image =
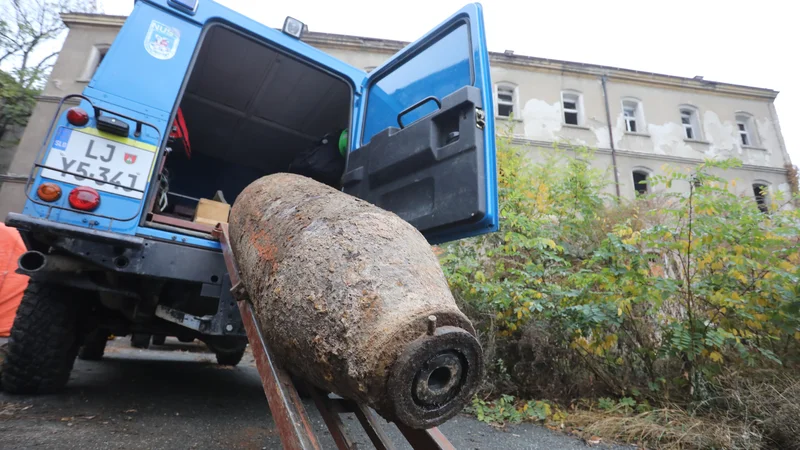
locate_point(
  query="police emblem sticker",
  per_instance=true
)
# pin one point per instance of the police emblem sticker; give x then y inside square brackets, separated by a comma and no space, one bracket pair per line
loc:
[161,40]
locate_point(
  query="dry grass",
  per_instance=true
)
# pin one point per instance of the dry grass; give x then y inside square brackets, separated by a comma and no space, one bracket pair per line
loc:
[752,410]
[666,429]
[768,399]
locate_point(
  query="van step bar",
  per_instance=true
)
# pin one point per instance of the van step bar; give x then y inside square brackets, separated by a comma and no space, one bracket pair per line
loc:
[36,225]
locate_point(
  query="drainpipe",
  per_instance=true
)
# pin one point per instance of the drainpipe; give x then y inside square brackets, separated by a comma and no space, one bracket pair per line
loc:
[611,137]
[791,175]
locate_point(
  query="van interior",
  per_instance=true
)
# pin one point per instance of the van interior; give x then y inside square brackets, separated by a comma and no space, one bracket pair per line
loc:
[249,111]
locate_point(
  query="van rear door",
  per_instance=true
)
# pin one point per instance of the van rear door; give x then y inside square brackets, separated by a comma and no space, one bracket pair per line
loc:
[423,144]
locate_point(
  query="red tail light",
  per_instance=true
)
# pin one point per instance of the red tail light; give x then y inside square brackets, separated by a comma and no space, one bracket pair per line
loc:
[77,116]
[84,198]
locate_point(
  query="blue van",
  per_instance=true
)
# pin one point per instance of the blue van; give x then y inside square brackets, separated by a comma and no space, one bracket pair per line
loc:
[192,103]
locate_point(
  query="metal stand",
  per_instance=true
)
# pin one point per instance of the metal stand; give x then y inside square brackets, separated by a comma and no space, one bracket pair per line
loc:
[287,410]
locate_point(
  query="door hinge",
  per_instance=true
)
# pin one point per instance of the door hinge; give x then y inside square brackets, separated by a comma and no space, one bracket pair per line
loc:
[480,118]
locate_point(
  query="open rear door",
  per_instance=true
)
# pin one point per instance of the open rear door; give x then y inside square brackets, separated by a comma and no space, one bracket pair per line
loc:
[424,144]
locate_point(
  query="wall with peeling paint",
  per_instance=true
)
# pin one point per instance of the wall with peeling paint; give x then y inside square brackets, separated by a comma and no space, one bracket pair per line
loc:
[718,135]
[540,118]
[628,161]
[660,143]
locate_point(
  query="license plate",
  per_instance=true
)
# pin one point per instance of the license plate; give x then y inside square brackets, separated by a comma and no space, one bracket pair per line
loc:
[116,167]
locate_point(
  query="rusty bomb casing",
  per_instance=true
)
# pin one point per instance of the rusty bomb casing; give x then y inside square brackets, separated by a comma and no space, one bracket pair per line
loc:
[352,299]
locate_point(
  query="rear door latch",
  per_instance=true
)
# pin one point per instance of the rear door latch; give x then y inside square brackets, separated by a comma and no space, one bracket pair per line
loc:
[480,118]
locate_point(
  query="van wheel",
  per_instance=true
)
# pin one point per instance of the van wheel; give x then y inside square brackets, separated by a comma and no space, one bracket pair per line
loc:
[94,346]
[43,342]
[229,357]
[140,340]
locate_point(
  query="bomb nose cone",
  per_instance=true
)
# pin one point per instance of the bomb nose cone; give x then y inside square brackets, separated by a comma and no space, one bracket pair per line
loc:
[435,377]
[439,380]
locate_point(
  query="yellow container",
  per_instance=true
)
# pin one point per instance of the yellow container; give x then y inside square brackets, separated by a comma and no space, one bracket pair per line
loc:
[211,212]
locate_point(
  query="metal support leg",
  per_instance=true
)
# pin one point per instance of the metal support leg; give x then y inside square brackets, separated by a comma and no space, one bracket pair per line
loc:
[287,410]
[430,439]
[373,429]
[332,419]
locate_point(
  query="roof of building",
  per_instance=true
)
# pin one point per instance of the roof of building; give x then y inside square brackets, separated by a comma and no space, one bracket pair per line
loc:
[507,58]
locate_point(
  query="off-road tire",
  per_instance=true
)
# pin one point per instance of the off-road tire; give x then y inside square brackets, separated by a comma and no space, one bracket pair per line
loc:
[3,355]
[159,339]
[94,346]
[230,357]
[43,342]
[140,340]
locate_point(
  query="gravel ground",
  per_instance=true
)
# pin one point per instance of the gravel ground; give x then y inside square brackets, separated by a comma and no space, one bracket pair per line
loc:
[177,397]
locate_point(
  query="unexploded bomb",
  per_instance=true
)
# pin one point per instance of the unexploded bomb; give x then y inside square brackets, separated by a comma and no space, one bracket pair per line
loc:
[352,299]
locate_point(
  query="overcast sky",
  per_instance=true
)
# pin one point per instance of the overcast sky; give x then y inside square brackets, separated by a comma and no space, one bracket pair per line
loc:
[742,42]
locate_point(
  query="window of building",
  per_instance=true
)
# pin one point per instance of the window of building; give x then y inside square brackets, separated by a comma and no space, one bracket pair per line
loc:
[630,118]
[96,56]
[744,135]
[761,192]
[746,129]
[640,181]
[691,127]
[571,103]
[506,99]
[634,118]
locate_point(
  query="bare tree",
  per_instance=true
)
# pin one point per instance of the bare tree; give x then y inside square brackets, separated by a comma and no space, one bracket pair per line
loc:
[26,28]
[28,25]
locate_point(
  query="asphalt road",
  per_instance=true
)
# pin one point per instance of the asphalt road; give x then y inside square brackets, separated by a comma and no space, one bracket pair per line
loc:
[177,397]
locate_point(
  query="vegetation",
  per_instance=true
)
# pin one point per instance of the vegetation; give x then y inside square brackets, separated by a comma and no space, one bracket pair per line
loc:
[16,103]
[632,304]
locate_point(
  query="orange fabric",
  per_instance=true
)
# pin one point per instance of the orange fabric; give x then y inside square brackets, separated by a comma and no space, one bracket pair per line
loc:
[12,285]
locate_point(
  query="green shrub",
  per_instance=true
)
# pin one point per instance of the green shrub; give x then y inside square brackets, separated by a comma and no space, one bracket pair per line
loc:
[577,293]
[506,409]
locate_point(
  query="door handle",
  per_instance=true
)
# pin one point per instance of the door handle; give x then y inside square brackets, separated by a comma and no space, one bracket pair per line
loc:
[415,106]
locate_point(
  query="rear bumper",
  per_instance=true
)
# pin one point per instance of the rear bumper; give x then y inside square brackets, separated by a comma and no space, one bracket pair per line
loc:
[124,254]
[137,256]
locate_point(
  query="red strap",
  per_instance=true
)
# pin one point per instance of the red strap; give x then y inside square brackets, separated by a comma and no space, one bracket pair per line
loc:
[181,132]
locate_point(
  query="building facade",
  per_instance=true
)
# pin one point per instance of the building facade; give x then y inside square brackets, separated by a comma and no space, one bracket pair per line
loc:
[637,123]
